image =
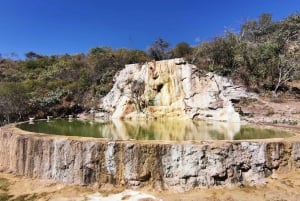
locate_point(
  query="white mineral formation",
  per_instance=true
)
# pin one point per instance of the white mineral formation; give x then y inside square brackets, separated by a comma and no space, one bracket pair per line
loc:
[171,88]
[128,195]
[181,166]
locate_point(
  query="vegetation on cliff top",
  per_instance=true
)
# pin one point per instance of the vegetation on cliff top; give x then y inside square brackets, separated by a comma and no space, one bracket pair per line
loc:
[264,56]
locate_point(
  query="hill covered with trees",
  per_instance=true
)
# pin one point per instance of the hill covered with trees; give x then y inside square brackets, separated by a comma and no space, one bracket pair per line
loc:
[264,56]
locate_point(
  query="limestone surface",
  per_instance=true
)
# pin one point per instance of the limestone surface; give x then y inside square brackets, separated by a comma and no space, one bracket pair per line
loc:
[132,164]
[171,88]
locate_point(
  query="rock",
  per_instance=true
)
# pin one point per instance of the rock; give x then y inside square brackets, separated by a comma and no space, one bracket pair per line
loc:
[130,164]
[274,175]
[216,105]
[172,88]
[128,195]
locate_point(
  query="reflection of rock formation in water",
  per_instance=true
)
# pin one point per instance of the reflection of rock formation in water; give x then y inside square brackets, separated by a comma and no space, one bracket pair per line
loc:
[170,129]
[171,88]
[165,166]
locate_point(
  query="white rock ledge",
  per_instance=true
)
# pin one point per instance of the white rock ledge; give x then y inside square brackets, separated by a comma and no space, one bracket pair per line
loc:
[132,164]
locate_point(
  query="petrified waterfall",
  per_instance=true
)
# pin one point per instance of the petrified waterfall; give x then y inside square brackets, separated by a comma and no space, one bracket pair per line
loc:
[171,88]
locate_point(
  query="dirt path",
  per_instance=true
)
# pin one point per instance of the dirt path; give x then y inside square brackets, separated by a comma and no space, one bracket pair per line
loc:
[284,188]
[275,111]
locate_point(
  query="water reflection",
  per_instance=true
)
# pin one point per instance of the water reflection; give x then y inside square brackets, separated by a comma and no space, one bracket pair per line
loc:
[160,129]
[172,129]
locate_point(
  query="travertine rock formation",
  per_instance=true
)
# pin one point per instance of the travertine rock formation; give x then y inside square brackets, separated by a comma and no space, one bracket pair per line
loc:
[171,88]
[170,166]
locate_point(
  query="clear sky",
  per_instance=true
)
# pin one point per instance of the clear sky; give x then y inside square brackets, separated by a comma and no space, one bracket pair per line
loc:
[74,26]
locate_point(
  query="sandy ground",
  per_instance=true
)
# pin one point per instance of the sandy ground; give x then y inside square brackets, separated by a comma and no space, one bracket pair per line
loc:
[286,187]
[274,111]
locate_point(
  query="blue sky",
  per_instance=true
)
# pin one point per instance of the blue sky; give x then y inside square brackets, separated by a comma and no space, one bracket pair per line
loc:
[74,26]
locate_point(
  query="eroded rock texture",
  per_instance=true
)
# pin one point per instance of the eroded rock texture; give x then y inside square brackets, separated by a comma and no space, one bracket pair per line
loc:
[171,88]
[177,166]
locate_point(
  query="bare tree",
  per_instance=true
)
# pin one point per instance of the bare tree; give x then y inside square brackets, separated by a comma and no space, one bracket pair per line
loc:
[288,67]
[289,58]
[159,49]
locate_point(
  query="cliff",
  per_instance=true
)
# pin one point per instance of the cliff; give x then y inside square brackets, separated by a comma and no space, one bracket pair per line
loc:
[132,164]
[171,88]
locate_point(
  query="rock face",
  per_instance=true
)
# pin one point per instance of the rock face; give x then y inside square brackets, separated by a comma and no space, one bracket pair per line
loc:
[175,166]
[171,88]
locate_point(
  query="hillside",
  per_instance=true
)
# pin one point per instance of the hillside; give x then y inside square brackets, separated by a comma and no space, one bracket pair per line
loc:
[264,56]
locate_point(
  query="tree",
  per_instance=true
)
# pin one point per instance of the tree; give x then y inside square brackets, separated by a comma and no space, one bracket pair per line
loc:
[248,30]
[220,53]
[261,61]
[288,67]
[265,22]
[13,101]
[287,38]
[255,30]
[32,55]
[10,71]
[182,49]
[159,50]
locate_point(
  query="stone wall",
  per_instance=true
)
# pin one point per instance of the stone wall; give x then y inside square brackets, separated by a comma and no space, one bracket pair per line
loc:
[169,166]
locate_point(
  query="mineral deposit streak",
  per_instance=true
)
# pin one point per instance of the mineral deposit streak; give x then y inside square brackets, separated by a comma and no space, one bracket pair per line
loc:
[160,165]
[171,88]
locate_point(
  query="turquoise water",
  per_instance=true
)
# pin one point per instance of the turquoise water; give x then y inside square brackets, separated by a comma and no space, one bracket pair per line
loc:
[166,129]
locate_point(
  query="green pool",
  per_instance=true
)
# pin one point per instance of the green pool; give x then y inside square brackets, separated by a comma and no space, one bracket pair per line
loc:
[160,129]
